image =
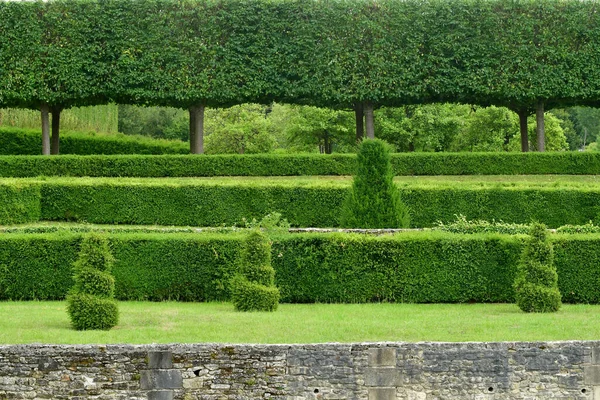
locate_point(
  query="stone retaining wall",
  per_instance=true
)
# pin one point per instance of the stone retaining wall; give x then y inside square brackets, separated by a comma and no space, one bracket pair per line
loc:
[370,371]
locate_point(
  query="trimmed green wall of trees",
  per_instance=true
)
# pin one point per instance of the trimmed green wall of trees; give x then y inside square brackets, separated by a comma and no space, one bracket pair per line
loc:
[187,53]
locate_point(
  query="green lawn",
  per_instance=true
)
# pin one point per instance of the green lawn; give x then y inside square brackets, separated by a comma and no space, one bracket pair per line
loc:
[585,181]
[142,322]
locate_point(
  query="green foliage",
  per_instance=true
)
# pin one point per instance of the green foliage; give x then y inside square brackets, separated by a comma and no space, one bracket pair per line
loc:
[253,288]
[306,128]
[180,53]
[554,133]
[251,296]
[488,129]
[374,201]
[97,118]
[91,303]
[20,203]
[89,312]
[419,267]
[570,163]
[242,129]
[17,141]
[309,203]
[462,225]
[536,283]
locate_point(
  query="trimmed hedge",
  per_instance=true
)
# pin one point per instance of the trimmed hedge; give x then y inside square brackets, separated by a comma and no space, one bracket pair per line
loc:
[414,267]
[335,53]
[568,163]
[20,203]
[303,204]
[17,141]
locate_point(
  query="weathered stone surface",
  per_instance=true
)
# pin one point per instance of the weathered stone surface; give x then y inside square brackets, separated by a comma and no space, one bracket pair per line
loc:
[161,379]
[382,394]
[592,375]
[420,371]
[382,357]
[160,359]
[161,395]
[383,377]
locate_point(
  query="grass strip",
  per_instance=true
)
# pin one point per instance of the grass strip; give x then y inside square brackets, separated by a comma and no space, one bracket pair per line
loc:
[168,322]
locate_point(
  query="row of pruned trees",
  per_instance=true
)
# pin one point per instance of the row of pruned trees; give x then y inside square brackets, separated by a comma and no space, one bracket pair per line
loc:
[353,54]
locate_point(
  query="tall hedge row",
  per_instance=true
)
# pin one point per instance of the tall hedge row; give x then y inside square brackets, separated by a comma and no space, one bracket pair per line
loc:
[568,163]
[415,267]
[307,204]
[335,53]
[27,142]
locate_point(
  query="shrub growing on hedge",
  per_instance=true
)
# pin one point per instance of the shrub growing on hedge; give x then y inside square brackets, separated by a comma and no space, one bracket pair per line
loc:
[536,284]
[253,288]
[91,303]
[374,201]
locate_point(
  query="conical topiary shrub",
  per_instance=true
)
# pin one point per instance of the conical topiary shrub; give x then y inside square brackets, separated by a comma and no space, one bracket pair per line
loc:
[536,284]
[374,201]
[253,288]
[91,303]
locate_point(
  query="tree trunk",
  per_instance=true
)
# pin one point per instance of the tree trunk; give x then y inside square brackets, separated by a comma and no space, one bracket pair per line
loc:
[55,144]
[369,123]
[197,129]
[192,129]
[524,133]
[541,132]
[45,129]
[359,114]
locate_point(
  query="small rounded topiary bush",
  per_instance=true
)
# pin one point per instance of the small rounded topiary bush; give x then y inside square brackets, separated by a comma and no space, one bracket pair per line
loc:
[91,303]
[374,201]
[536,284]
[253,288]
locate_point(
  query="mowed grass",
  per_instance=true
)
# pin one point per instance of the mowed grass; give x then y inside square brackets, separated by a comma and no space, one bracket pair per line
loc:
[169,322]
[567,181]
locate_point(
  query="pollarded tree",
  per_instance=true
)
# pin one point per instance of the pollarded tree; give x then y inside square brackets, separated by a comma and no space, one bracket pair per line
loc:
[536,284]
[91,303]
[253,288]
[374,201]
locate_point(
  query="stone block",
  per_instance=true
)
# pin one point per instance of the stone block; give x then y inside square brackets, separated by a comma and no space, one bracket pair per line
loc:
[596,392]
[161,379]
[382,357]
[161,395]
[592,374]
[382,394]
[595,355]
[383,377]
[160,359]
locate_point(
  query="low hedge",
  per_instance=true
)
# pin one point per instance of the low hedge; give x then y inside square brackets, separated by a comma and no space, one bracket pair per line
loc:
[305,204]
[423,267]
[18,141]
[568,163]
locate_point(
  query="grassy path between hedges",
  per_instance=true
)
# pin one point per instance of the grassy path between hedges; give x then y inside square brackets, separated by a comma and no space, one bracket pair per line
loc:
[168,322]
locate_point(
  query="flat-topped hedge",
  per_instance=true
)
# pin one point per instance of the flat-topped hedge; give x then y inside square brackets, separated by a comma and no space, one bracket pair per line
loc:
[19,141]
[567,163]
[304,203]
[423,267]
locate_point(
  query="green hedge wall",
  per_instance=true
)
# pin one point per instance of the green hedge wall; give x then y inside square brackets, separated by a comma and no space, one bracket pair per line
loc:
[17,141]
[20,203]
[412,267]
[305,204]
[567,163]
[334,53]
[205,204]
